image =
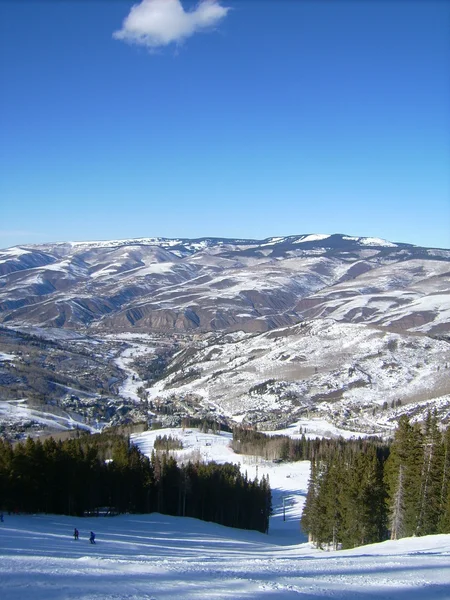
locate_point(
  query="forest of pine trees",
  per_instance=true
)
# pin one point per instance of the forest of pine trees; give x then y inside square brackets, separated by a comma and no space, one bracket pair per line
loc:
[284,448]
[367,493]
[360,491]
[77,476]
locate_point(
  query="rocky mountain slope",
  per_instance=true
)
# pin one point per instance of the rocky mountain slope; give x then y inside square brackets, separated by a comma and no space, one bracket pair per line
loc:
[356,377]
[209,284]
[344,331]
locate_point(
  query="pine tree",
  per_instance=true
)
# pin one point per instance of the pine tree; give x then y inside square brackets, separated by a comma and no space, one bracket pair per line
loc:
[309,517]
[363,500]
[6,457]
[323,519]
[403,472]
[444,489]
[431,478]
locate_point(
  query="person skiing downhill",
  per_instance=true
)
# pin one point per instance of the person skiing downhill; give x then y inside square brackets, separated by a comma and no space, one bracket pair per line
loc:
[92,537]
[75,534]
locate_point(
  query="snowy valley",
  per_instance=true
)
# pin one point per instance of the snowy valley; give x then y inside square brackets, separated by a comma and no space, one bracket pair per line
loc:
[324,332]
[314,335]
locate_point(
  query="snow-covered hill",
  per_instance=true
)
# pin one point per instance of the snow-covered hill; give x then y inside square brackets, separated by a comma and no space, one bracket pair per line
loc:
[351,330]
[357,377]
[156,557]
[158,284]
[323,376]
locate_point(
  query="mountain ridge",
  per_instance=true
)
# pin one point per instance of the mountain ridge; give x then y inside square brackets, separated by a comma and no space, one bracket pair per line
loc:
[348,330]
[208,284]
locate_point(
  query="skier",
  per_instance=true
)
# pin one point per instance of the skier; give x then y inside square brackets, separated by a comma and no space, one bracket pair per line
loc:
[75,534]
[92,537]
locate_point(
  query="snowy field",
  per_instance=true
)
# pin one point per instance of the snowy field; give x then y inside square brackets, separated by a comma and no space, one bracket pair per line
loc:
[156,557]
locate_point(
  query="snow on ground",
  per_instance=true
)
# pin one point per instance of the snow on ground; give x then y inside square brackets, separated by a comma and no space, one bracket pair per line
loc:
[156,557]
[131,241]
[313,238]
[315,427]
[374,241]
[289,481]
[138,345]
[17,411]
[273,241]
[8,253]
[54,333]
[345,372]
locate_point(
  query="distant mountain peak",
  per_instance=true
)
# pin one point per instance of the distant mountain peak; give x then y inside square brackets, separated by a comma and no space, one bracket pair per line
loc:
[208,284]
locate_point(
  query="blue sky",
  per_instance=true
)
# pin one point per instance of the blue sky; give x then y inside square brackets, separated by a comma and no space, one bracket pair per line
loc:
[270,118]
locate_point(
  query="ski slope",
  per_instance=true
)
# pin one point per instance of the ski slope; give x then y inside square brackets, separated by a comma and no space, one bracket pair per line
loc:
[156,557]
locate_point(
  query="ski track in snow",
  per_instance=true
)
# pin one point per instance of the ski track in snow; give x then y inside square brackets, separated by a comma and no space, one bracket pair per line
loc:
[157,557]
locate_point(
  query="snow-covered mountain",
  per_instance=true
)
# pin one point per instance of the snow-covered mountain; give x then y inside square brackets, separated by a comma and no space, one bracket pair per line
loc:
[355,376]
[347,330]
[211,284]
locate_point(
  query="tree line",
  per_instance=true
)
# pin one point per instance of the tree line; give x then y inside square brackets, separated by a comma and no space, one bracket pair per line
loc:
[367,494]
[77,476]
[284,448]
[167,443]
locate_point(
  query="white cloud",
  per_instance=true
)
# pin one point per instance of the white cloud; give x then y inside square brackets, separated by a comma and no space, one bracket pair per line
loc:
[156,23]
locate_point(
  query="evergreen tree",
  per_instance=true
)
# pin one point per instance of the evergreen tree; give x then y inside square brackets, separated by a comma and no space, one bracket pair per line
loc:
[363,500]
[444,491]
[323,516]
[403,479]
[345,501]
[431,478]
